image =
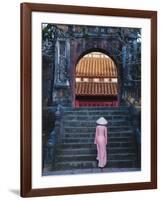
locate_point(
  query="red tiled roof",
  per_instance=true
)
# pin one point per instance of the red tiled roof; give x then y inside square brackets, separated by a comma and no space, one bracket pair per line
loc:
[100,67]
[96,89]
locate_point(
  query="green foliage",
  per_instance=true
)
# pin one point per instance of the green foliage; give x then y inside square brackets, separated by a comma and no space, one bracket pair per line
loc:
[47,31]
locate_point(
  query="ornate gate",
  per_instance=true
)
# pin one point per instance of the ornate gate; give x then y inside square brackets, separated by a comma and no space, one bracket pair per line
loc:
[64,45]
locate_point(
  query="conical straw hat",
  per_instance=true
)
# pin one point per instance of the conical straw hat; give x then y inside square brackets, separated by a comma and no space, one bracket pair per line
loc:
[102,121]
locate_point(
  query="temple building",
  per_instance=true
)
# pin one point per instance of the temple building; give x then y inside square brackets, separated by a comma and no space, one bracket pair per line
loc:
[96,81]
[90,72]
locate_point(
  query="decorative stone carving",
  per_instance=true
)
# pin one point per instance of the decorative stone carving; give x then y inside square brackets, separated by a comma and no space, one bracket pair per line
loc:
[59,41]
[61,64]
[62,69]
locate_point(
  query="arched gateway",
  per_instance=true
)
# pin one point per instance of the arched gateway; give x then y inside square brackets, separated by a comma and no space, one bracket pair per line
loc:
[96,81]
[90,66]
[71,44]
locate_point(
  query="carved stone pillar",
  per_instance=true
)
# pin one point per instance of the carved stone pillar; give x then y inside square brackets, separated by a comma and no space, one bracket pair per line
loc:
[61,63]
[61,88]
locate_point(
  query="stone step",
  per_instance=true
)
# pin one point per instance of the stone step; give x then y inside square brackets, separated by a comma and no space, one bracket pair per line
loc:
[92,129]
[93,164]
[95,117]
[97,112]
[89,171]
[92,157]
[90,140]
[92,145]
[93,123]
[112,150]
[92,134]
[84,120]
[95,108]
[78,151]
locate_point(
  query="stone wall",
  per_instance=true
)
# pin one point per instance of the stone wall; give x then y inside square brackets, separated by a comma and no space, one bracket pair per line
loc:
[66,44]
[47,80]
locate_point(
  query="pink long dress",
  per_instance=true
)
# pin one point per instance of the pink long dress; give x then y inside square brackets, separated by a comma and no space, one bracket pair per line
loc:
[101,142]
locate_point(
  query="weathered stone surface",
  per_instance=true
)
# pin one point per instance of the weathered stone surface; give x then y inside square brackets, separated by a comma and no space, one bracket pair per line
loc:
[77,149]
[64,45]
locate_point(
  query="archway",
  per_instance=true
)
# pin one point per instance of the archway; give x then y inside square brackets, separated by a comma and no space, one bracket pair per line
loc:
[96,81]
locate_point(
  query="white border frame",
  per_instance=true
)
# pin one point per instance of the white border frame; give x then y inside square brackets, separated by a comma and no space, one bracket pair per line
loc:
[39,181]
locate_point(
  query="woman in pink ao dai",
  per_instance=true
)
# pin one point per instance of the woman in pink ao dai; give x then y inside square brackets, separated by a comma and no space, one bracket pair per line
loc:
[101,141]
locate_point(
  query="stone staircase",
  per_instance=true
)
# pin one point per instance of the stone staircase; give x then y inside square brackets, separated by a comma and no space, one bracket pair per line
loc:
[78,151]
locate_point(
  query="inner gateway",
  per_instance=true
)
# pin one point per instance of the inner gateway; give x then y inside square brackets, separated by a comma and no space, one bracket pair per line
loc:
[96,81]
